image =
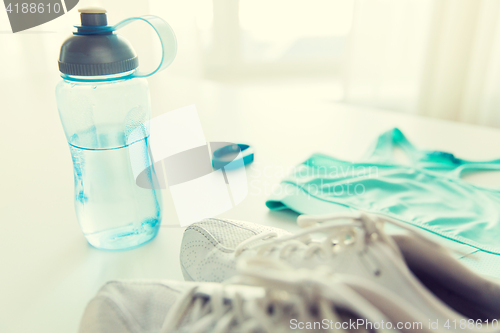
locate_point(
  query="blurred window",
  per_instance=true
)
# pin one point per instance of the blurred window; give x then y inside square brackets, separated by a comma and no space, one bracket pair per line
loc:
[274,37]
[298,30]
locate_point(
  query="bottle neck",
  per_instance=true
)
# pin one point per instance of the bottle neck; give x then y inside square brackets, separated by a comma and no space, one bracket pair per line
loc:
[99,78]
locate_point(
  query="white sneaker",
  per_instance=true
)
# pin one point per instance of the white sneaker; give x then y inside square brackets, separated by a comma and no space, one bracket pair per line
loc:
[355,245]
[254,302]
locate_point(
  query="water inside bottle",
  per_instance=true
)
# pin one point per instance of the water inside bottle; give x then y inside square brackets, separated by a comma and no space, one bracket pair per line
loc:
[113,211]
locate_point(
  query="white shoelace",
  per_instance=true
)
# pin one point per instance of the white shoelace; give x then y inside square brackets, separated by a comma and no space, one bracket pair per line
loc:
[218,315]
[357,231]
[297,296]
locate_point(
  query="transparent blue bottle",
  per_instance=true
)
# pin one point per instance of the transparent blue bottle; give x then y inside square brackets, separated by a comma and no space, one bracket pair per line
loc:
[104,107]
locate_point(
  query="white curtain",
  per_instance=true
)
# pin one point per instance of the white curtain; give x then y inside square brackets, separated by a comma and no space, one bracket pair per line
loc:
[438,58]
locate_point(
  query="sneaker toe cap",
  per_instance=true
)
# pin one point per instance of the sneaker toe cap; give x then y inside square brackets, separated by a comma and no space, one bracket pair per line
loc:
[207,249]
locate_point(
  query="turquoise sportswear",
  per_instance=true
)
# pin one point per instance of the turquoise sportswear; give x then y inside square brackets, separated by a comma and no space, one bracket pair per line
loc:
[428,192]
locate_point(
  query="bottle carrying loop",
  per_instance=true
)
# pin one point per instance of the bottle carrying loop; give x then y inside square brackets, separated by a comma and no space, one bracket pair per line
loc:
[166,36]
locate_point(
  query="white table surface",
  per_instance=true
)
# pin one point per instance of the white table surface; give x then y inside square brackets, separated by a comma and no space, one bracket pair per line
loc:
[49,273]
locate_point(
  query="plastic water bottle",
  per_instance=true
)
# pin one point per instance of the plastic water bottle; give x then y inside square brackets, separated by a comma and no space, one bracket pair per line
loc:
[103,103]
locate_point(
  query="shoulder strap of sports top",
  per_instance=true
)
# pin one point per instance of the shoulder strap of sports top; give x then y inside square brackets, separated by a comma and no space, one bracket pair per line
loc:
[473,166]
[382,149]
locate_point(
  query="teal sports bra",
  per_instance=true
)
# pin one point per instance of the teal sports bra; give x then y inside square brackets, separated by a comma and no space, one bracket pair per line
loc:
[428,192]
